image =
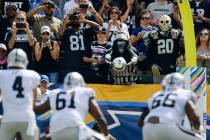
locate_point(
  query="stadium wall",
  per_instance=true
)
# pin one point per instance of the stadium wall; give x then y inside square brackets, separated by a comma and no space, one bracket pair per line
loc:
[122,106]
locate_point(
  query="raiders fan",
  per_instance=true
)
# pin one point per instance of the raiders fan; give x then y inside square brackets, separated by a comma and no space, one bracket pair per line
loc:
[21,37]
[76,44]
[165,46]
[99,49]
[21,5]
[122,60]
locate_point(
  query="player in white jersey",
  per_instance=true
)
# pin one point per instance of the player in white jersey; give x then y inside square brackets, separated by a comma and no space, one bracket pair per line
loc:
[18,87]
[70,107]
[167,110]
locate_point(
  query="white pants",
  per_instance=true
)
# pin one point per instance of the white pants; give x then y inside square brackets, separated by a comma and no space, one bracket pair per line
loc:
[9,129]
[167,132]
[70,133]
[76,133]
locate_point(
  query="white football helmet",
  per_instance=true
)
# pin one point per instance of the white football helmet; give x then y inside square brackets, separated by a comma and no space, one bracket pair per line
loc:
[165,23]
[17,58]
[174,80]
[73,79]
[119,64]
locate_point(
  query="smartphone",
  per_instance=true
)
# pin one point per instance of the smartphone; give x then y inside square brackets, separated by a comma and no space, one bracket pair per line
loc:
[21,25]
[83,6]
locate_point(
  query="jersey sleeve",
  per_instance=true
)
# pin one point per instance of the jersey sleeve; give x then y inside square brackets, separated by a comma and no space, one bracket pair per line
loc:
[36,80]
[91,93]
[186,96]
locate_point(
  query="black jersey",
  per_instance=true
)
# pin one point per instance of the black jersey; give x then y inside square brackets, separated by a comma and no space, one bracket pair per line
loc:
[22,5]
[131,22]
[21,41]
[99,50]
[47,60]
[203,9]
[76,45]
[164,49]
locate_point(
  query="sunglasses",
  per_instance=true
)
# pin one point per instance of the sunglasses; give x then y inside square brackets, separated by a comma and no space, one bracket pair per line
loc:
[45,33]
[204,34]
[114,12]
[20,19]
[145,18]
[2,52]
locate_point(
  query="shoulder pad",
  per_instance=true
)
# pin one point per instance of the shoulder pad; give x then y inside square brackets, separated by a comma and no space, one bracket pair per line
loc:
[175,33]
[154,34]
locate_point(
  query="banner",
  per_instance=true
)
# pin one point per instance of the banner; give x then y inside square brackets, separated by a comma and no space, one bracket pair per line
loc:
[122,107]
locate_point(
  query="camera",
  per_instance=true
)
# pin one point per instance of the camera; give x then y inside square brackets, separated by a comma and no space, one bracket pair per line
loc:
[83,6]
[73,18]
[21,25]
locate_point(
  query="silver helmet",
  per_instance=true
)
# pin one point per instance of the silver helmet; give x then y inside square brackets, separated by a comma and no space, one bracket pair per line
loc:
[174,80]
[17,58]
[73,79]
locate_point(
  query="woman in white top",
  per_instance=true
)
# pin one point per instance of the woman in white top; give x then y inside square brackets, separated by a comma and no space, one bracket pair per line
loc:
[114,25]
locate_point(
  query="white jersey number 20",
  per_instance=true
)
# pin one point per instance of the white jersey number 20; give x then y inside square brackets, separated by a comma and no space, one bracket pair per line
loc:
[165,46]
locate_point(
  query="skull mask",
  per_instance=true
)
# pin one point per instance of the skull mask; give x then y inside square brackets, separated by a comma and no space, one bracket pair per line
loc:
[121,44]
[121,41]
[164,23]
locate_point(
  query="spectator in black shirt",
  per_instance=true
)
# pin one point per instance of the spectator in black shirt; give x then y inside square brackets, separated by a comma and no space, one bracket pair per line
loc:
[84,11]
[201,14]
[21,37]
[7,20]
[129,16]
[46,55]
[99,49]
[21,5]
[76,44]
[176,21]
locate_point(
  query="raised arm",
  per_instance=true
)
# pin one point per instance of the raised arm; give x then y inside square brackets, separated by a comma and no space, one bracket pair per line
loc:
[96,113]
[192,116]
[42,108]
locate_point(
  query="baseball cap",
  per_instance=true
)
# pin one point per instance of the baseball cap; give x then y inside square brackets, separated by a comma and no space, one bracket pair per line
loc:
[44,78]
[11,6]
[3,46]
[45,29]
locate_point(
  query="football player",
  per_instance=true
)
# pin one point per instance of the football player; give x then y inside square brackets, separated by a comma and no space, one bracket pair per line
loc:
[167,110]
[18,87]
[70,107]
